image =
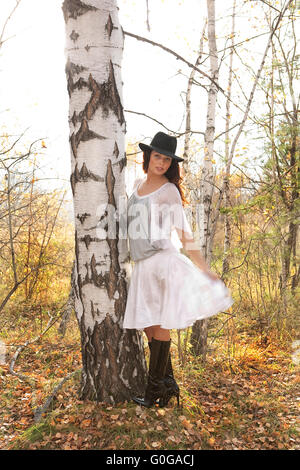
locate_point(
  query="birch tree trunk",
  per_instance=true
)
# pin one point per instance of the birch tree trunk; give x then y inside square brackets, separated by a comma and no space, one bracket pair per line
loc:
[187,136]
[227,218]
[190,180]
[199,330]
[113,363]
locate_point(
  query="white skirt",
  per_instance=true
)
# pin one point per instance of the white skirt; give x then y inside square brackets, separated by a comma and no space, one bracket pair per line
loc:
[169,290]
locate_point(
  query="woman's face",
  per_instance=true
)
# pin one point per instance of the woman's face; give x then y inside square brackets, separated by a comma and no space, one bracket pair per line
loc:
[159,163]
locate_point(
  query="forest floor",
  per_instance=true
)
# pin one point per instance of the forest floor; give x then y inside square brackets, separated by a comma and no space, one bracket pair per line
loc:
[244,399]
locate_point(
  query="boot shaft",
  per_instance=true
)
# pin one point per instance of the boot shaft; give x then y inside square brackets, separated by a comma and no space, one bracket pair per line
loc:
[163,357]
[169,368]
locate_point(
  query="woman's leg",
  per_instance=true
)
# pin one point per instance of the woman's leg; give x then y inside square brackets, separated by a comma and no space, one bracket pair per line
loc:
[157,332]
[149,332]
[161,333]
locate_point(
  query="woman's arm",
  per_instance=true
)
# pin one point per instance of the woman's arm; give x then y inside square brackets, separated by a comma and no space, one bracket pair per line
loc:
[190,247]
[182,226]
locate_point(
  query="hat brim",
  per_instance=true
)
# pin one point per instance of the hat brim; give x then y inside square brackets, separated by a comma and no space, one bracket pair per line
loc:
[162,151]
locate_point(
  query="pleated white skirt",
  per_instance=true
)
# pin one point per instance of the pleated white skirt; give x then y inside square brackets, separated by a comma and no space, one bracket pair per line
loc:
[169,290]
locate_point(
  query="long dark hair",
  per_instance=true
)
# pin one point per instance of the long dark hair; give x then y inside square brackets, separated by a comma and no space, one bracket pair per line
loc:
[173,174]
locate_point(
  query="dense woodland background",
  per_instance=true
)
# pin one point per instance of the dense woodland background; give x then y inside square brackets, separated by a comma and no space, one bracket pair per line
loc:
[242,394]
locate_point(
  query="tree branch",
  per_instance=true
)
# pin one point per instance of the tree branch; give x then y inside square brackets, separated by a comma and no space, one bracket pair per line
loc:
[179,57]
[7,20]
[41,409]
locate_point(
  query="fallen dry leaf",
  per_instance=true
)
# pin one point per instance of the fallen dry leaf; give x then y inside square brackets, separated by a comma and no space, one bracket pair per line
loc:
[155,444]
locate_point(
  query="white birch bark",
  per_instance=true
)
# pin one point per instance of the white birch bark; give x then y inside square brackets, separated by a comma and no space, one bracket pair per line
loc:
[227,219]
[199,330]
[113,363]
[207,179]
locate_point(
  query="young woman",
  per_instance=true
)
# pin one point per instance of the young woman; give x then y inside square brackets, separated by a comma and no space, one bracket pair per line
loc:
[168,290]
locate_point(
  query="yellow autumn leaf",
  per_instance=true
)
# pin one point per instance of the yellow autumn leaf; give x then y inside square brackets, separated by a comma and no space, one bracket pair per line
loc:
[187,424]
[85,423]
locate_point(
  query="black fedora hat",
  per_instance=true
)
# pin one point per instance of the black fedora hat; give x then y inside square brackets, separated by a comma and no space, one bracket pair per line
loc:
[163,143]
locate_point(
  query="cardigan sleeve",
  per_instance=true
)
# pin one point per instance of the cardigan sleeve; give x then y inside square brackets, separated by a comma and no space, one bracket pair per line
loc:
[167,212]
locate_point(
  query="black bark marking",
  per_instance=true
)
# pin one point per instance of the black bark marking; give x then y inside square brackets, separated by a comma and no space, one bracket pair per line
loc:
[78,282]
[123,34]
[120,303]
[207,199]
[110,96]
[87,240]
[112,242]
[103,216]
[109,26]
[116,150]
[83,175]
[72,69]
[83,134]
[98,280]
[74,144]
[123,163]
[110,279]
[74,119]
[110,184]
[82,217]
[74,36]
[75,8]
[105,95]
[94,102]
[94,313]
[79,84]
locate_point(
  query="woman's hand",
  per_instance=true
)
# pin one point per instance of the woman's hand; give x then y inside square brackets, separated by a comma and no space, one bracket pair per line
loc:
[204,269]
[191,248]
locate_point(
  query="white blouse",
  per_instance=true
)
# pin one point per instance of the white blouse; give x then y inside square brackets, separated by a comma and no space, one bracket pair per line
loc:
[152,218]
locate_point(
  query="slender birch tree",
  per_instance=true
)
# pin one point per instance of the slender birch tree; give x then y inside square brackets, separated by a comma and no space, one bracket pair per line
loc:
[113,361]
[199,330]
[227,221]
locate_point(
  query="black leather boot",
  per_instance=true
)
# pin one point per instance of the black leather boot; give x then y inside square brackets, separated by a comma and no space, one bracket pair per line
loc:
[156,388]
[170,382]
